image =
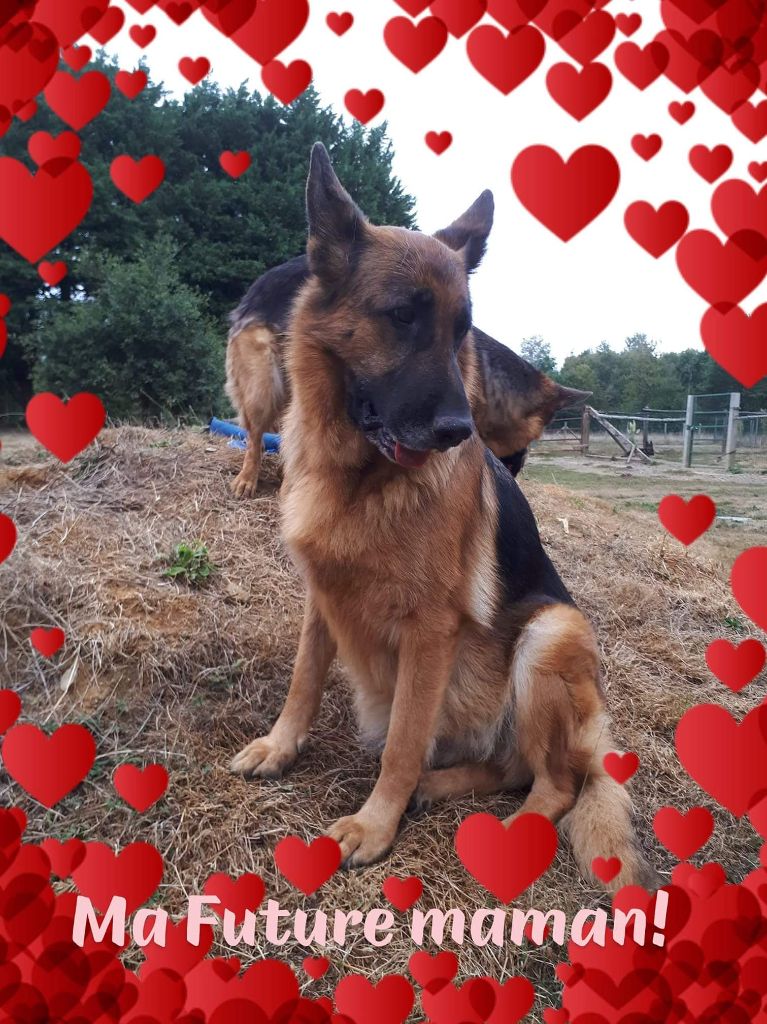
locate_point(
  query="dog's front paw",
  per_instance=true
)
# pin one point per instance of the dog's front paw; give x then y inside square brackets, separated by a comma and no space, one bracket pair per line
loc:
[244,485]
[362,839]
[264,757]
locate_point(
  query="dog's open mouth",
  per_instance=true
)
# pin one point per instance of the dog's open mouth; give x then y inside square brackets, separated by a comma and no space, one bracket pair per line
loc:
[409,458]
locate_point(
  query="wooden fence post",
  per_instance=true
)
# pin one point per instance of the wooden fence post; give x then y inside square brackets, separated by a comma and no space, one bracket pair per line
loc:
[585,428]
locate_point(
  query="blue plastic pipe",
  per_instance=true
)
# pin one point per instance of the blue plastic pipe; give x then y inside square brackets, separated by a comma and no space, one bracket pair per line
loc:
[227,429]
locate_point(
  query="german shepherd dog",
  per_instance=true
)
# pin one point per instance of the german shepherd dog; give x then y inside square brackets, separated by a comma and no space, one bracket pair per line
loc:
[514,400]
[472,668]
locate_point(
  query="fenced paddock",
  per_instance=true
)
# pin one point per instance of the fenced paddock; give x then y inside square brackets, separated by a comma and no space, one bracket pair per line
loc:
[162,671]
[705,434]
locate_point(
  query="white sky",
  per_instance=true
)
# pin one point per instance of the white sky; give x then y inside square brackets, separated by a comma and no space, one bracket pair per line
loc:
[601,284]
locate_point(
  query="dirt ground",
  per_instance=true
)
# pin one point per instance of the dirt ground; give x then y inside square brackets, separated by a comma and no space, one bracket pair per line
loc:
[166,672]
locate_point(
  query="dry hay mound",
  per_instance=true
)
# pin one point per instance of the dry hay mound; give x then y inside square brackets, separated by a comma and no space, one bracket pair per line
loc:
[186,676]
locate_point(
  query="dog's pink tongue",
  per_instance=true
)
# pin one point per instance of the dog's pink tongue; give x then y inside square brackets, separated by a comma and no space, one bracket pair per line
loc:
[409,456]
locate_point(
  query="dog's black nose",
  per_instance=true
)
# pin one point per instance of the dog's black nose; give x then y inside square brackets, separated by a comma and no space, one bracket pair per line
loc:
[451,430]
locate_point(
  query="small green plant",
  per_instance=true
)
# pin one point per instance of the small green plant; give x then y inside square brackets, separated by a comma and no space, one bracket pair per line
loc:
[190,562]
[735,623]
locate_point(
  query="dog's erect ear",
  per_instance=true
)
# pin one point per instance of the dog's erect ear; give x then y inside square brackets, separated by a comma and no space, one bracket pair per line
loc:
[469,233]
[570,396]
[335,221]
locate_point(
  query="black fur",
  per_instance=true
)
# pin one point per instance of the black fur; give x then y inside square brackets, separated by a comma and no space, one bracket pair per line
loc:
[526,570]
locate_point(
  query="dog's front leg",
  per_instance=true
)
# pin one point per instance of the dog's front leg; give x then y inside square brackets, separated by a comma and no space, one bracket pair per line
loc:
[269,756]
[425,663]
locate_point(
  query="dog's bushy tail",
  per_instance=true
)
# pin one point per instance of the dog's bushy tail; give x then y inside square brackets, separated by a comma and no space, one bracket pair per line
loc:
[599,825]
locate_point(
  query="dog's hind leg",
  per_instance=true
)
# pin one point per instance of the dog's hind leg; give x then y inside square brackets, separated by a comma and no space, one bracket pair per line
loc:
[461,779]
[254,384]
[563,735]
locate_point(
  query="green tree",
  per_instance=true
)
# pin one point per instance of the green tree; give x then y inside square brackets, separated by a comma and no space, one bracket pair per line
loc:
[226,232]
[538,352]
[142,341]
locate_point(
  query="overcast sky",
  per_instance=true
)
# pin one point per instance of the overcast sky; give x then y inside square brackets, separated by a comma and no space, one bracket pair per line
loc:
[601,284]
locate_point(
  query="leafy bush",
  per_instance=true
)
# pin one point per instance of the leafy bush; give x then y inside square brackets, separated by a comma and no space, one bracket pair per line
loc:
[190,563]
[142,341]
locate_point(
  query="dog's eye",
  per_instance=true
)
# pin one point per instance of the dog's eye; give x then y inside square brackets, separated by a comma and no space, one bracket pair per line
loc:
[404,314]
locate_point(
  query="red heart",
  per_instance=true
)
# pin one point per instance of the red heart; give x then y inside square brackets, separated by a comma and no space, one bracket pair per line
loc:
[47,641]
[264,29]
[646,146]
[513,1000]
[583,38]
[48,767]
[235,894]
[737,206]
[751,120]
[579,90]
[506,860]
[5,305]
[470,1003]
[134,874]
[37,212]
[77,101]
[710,163]
[427,968]
[736,341]
[3,337]
[505,60]
[140,787]
[606,868]
[458,15]
[69,21]
[387,1002]
[628,23]
[52,273]
[723,274]
[286,82]
[235,164]
[316,966]
[681,112]
[364,105]
[758,171]
[565,196]
[690,59]
[687,520]
[137,179]
[757,814]
[641,65]
[402,893]
[729,87]
[7,537]
[552,1016]
[704,881]
[340,23]
[142,35]
[43,147]
[131,83]
[10,709]
[739,771]
[194,70]
[620,766]
[749,584]
[307,866]
[656,230]
[683,832]
[438,142]
[65,429]
[22,72]
[64,856]
[736,665]
[415,45]
[76,57]
[108,25]
[513,13]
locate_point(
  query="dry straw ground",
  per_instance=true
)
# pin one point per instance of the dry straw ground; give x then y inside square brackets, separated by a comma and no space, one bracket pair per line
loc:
[187,676]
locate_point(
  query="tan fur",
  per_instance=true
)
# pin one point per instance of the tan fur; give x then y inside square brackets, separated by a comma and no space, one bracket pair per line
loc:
[459,690]
[256,386]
